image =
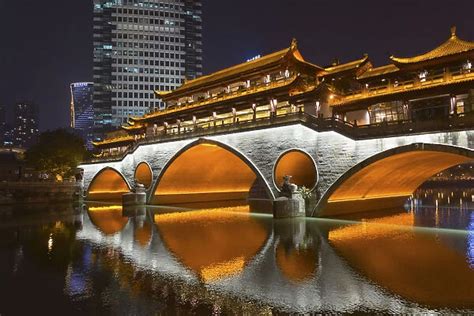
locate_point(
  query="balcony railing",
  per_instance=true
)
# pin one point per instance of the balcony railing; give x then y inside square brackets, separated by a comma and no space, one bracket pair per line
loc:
[395,87]
[224,97]
[288,115]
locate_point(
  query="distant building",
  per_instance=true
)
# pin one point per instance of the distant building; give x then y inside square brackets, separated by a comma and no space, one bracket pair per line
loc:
[139,47]
[4,128]
[25,124]
[82,110]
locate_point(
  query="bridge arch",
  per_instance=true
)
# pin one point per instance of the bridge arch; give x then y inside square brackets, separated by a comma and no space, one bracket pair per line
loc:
[144,174]
[389,177]
[108,184]
[300,165]
[207,170]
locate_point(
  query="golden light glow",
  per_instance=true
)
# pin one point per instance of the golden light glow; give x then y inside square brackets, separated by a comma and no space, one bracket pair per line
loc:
[417,266]
[216,271]
[297,265]
[205,173]
[395,177]
[143,174]
[299,165]
[143,234]
[213,252]
[226,97]
[107,185]
[410,85]
[108,219]
[115,140]
[454,45]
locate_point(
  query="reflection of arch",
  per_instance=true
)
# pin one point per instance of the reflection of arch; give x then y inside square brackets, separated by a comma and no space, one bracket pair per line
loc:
[213,252]
[108,184]
[143,234]
[207,170]
[389,177]
[297,265]
[300,165]
[392,254]
[144,174]
[108,219]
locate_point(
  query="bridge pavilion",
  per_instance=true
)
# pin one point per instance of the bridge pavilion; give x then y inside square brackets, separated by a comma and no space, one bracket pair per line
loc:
[423,88]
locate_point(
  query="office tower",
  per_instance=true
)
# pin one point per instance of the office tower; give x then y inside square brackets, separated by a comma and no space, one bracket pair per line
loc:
[82,110]
[25,124]
[3,124]
[141,46]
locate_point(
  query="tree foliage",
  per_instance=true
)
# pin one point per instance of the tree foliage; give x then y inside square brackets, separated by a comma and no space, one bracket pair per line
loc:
[57,152]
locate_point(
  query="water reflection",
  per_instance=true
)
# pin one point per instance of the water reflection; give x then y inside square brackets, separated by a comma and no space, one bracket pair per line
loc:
[213,243]
[297,250]
[228,260]
[108,219]
[418,266]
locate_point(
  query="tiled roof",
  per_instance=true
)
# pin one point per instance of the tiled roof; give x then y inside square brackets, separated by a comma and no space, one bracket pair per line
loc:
[252,65]
[378,71]
[452,46]
[347,66]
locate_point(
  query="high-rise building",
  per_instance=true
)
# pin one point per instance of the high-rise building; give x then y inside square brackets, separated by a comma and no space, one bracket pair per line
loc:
[3,124]
[25,129]
[141,46]
[82,110]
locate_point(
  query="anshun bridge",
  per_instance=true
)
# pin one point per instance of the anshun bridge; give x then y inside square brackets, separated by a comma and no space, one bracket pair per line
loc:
[352,133]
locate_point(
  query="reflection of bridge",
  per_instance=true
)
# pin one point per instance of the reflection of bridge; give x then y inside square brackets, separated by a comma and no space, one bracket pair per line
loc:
[290,264]
[249,164]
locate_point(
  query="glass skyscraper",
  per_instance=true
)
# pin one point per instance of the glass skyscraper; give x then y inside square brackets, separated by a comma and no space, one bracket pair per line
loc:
[82,110]
[141,46]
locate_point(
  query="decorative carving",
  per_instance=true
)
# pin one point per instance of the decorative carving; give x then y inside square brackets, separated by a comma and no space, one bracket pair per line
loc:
[288,188]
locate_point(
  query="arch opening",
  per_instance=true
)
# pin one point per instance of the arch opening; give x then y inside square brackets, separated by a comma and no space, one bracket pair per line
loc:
[144,174]
[107,185]
[297,164]
[208,172]
[386,180]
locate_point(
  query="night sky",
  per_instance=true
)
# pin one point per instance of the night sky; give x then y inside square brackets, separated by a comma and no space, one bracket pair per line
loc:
[45,45]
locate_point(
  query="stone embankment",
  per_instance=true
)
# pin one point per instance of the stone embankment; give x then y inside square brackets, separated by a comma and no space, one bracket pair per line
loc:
[39,192]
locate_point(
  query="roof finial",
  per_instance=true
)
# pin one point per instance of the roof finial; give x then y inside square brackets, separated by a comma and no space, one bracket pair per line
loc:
[294,43]
[453,31]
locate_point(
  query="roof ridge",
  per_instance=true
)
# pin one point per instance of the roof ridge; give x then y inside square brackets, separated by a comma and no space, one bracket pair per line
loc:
[453,45]
[204,78]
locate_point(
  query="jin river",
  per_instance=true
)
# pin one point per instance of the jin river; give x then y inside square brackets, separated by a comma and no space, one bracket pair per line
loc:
[99,259]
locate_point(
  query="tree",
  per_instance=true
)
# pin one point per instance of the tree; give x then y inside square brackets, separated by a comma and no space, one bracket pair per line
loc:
[57,153]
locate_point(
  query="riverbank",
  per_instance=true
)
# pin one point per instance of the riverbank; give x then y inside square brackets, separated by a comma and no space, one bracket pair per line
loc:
[12,193]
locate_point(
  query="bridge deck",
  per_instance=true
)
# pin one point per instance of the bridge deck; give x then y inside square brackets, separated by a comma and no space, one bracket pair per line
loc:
[452,123]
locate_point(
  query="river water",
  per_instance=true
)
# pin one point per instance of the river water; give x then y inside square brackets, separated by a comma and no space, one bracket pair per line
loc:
[101,259]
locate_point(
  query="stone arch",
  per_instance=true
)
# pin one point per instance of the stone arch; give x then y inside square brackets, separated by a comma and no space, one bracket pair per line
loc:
[144,174]
[199,172]
[300,165]
[389,177]
[108,184]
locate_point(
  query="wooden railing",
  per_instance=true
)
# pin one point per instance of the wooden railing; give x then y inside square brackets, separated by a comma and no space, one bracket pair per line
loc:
[223,97]
[394,87]
[288,116]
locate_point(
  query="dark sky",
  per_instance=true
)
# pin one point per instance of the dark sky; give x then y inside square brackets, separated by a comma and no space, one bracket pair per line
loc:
[46,44]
